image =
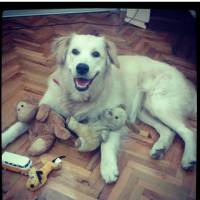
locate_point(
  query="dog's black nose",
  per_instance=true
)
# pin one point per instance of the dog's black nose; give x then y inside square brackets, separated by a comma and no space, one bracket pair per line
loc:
[82,68]
[32,185]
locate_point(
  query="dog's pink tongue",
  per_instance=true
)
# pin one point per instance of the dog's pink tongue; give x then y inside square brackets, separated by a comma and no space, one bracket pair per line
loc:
[82,83]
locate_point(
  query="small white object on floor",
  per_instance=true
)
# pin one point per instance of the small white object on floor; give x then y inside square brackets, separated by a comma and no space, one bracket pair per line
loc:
[138,17]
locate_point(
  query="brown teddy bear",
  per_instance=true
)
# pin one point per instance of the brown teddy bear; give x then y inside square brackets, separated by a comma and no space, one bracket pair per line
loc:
[92,134]
[45,126]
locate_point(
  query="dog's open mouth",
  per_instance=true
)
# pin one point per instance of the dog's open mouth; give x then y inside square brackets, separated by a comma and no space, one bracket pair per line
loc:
[83,84]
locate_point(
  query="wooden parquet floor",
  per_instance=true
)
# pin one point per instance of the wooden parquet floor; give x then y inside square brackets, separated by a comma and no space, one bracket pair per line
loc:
[27,62]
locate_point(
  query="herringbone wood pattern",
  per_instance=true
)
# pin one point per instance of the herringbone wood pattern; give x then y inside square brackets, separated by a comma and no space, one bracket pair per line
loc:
[26,64]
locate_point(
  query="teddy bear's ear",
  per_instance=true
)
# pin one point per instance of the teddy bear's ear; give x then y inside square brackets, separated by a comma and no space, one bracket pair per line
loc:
[33,101]
[106,113]
[123,106]
[26,102]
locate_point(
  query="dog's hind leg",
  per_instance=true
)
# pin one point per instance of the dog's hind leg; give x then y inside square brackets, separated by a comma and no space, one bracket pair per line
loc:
[13,132]
[166,135]
[135,106]
[168,115]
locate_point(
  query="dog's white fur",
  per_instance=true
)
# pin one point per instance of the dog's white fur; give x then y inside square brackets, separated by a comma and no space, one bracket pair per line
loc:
[153,91]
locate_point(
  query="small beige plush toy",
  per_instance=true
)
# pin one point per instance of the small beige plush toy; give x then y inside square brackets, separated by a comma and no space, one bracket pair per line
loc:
[45,126]
[92,134]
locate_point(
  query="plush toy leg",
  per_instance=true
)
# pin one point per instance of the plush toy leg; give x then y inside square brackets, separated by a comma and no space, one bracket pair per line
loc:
[59,126]
[62,133]
[83,145]
[41,145]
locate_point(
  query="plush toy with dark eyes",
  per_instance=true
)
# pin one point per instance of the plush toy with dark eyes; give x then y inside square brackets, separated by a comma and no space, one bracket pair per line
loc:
[45,126]
[91,135]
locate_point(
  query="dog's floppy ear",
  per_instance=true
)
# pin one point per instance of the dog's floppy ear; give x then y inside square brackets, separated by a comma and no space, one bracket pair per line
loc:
[112,53]
[39,175]
[123,106]
[59,48]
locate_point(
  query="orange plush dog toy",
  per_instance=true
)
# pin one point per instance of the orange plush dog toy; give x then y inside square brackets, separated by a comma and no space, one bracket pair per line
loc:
[45,126]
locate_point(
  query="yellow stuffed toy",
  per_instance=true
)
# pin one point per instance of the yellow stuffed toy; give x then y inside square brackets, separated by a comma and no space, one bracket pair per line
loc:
[37,178]
[92,134]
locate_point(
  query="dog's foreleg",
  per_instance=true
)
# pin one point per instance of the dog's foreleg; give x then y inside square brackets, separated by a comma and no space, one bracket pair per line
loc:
[53,98]
[13,132]
[109,149]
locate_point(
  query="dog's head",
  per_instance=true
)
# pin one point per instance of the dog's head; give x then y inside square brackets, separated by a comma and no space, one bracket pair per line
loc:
[86,57]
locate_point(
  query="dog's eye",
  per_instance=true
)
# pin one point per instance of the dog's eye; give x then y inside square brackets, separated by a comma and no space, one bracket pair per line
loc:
[95,54]
[75,51]
[116,117]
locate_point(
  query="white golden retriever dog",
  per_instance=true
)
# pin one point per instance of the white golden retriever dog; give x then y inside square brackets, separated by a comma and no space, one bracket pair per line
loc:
[90,77]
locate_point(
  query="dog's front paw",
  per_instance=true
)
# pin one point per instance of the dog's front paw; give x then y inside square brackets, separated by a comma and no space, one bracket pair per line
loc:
[109,172]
